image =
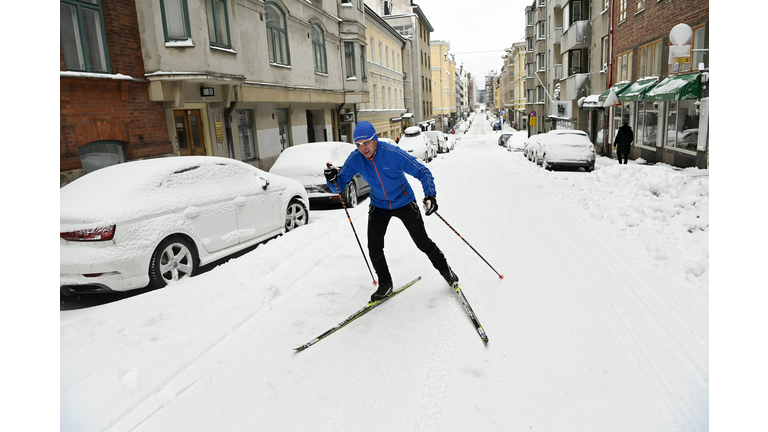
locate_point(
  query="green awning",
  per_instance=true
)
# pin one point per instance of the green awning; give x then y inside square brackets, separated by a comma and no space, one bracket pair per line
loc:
[676,87]
[617,88]
[638,90]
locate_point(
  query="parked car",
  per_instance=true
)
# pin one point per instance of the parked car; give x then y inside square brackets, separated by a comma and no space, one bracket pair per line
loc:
[567,148]
[415,142]
[532,144]
[496,126]
[305,163]
[503,138]
[156,221]
[516,142]
[438,138]
[388,140]
[451,140]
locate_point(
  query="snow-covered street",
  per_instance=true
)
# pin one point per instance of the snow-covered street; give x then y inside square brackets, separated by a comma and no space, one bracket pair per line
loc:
[600,323]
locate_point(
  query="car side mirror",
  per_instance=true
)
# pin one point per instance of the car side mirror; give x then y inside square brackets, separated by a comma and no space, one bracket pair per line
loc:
[264,183]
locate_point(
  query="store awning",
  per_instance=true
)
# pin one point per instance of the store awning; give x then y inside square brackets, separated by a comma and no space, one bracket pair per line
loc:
[638,89]
[676,87]
[591,102]
[617,88]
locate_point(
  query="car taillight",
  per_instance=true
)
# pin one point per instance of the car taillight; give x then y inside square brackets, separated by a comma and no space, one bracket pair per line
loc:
[92,234]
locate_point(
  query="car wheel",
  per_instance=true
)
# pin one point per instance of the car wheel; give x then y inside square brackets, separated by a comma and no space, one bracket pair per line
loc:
[351,196]
[174,259]
[545,163]
[295,215]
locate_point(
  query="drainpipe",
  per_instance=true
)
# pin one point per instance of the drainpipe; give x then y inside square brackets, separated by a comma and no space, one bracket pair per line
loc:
[608,140]
[228,125]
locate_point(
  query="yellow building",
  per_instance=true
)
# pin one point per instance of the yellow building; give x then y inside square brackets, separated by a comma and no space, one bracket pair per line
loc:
[443,84]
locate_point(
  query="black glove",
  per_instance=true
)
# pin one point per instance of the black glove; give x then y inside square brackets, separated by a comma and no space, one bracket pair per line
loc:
[430,205]
[331,173]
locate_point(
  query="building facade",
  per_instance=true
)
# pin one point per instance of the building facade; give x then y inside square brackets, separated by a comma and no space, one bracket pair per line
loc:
[106,115]
[444,108]
[386,104]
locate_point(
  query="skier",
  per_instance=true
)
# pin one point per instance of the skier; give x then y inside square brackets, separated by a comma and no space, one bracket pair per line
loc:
[384,166]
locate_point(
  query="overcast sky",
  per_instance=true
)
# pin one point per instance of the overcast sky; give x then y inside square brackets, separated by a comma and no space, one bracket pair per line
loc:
[475,27]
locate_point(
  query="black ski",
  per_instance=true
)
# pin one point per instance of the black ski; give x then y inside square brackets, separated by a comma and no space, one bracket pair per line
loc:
[357,315]
[471,313]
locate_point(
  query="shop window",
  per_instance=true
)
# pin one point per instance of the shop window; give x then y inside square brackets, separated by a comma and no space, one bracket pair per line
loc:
[682,126]
[647,125]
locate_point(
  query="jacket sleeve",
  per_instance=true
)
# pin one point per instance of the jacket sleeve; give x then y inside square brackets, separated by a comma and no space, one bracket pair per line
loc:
[416,169]
[347,171]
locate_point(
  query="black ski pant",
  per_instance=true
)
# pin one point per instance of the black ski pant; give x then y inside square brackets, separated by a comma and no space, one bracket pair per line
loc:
[410,216]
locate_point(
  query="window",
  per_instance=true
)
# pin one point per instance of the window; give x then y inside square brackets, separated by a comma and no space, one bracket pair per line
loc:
[604,54]
[696,57]
[540,62]
[529,44]
[349,59]
[318,49]
[82,36]
[574,62]
[647,124]
[375,96]
[175,19]
[381,56]
[218,23]
[529,70]
[386,56]
[624,67]
[682,126]
[541,30]
[373,53]
[283,128]
[539,94]
[640,5]
[622,10]
[362,63]
[277,35]
[245,133]
[576,11]
[529,18]
[649,63]
[529,96]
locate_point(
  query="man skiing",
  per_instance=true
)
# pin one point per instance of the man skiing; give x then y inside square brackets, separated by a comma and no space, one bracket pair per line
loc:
[384,166]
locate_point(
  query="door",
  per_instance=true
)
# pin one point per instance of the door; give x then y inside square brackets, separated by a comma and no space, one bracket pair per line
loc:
[258,211]
[189,132]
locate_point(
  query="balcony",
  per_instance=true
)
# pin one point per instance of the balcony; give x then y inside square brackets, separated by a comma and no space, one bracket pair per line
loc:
[558,35]
[575,86]
[577,36]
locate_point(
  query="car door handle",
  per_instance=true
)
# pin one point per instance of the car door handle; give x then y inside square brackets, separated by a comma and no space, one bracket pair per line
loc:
[192,212]
[240,201]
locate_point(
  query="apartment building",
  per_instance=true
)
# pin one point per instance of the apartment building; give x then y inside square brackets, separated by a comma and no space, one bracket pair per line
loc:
[537,97]
[660,77]
[386,78]
[409,21]
[443,85]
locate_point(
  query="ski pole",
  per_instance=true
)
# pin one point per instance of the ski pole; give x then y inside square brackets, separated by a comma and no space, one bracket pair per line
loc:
[328,164]
[470,246]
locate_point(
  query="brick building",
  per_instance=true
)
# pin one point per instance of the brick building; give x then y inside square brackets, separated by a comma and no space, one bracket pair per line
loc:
[105,112]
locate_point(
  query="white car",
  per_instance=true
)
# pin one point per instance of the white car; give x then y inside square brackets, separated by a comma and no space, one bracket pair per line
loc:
[567,148]
[306,162]
[156,221]
[516,142]
[532,147]
[438,138]
[417,144]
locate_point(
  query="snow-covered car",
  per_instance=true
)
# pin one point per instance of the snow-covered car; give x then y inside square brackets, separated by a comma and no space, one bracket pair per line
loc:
[438,138]
[503,139]
[305,163]
[516,142]
[567,148]
[532,144]
[417,144]
[156,221]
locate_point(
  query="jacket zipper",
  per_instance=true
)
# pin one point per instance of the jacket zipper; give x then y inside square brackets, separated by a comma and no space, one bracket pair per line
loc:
[382,183]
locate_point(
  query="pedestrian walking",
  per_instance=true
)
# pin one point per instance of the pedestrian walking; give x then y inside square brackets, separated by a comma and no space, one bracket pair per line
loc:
[623,140]
[384,166]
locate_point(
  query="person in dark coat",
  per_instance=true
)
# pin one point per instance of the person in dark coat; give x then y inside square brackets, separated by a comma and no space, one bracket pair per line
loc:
[623,140]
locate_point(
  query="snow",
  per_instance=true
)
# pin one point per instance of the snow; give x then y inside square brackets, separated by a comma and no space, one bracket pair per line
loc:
[600,323]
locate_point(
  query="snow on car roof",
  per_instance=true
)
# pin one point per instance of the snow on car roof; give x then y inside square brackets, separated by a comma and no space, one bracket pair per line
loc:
[306,162]
[147,187]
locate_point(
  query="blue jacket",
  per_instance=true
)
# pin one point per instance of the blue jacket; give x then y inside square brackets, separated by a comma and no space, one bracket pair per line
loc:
[385,173]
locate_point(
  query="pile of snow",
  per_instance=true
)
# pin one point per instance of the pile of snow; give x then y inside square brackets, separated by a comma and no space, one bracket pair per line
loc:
[666,208]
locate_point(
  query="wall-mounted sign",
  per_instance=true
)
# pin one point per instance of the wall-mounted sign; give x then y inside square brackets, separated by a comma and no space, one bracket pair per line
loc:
[206,91]
[347,118]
